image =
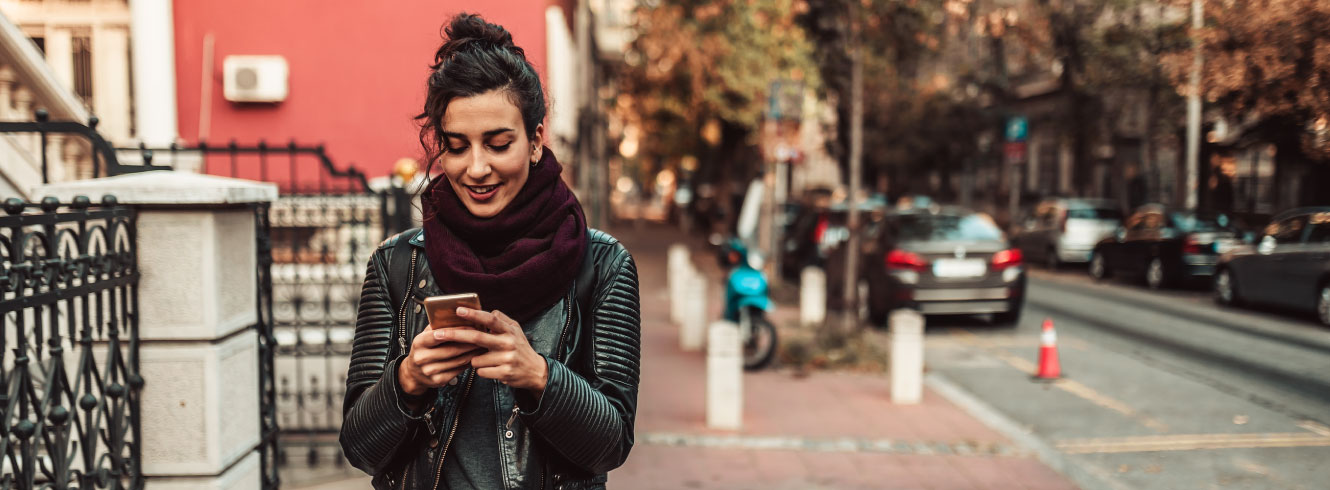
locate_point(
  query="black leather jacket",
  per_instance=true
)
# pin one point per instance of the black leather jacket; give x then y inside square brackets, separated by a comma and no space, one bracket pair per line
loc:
[582,426]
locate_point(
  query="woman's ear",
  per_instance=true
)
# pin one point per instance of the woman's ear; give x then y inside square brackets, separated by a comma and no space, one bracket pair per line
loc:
[537,143]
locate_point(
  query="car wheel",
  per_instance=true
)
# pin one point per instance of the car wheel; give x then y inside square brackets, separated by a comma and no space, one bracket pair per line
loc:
[1225,292]
[1099,266]
[1051,260]
[1009,318]
[1154,273]
[1323,305]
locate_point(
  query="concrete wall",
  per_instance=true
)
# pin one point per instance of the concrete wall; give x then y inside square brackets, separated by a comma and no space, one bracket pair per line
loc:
[357,70]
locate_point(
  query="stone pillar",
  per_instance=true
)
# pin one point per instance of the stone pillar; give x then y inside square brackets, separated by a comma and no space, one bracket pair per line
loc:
[198,354]
[907,356]
[153,46]
[725,386]
[60,55]
[7,79]
[110,89]
[812,297]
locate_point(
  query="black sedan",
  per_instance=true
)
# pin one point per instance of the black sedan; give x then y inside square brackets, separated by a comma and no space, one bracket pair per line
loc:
[1165,246]
[1289,267]
[941,261]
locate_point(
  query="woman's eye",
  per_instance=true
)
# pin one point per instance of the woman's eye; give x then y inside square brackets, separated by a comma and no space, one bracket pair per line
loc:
[457,150]
[503,147]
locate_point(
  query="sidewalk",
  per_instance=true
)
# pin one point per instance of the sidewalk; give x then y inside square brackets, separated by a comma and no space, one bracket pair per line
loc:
[823,431]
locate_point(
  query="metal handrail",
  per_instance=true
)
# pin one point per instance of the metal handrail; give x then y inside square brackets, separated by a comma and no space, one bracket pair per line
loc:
[263,148]
[101,149]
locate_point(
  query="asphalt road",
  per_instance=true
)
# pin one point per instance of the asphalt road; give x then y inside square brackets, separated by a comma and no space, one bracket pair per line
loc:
[1160,390]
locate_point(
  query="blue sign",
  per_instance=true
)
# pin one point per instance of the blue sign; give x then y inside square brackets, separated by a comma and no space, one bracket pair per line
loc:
[1017,127]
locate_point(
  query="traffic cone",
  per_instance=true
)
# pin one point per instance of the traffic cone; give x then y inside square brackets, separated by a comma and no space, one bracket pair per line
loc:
[1049,369]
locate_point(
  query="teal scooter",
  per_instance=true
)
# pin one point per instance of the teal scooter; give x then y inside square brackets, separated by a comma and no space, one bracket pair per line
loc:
[747,303]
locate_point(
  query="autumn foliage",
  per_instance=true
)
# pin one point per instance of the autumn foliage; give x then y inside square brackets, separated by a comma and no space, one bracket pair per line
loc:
[1266,60]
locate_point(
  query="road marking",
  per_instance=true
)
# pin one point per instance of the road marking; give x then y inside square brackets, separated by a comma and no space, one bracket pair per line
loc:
[1190,442]
[1073,387]
[1315,427]
[833,444]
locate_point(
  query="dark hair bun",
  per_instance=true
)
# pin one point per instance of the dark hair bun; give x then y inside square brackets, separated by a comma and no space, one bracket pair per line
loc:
[477,57]
[469,31]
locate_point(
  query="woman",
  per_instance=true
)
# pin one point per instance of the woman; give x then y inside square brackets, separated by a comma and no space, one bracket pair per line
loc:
[542,394]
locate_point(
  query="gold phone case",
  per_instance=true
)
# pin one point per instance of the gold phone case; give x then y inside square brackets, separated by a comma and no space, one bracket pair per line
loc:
[442,310]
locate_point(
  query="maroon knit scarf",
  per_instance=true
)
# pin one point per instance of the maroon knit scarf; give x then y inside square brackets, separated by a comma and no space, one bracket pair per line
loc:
[520,261]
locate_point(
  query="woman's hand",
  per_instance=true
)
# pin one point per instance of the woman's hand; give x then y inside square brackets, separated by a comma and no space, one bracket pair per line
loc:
[433,361]
[510,359]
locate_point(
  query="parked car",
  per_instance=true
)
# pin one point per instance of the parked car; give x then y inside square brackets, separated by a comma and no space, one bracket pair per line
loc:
[1288,267]
[941,261]
[1165,246]
[817,234]
[1065,230]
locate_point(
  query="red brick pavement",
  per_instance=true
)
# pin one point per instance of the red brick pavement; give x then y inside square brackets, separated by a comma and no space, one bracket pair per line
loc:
[932,445]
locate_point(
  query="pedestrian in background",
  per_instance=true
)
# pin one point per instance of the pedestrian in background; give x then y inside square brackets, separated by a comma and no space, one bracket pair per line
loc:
[543,392]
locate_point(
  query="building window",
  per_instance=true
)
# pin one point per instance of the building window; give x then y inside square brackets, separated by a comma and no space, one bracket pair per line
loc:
[83,68]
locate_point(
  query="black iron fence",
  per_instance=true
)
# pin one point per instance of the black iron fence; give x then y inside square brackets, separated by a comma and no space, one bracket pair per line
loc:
[69,374]
[104,161]
[314,242]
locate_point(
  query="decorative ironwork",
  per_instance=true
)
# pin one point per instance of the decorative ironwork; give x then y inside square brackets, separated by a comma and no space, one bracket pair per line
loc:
[69,382]
[313,244]
[103,154]
[268,449]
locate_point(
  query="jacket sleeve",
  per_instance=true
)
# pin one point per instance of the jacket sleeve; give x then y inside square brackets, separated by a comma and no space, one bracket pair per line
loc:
[589,419]
[376,423]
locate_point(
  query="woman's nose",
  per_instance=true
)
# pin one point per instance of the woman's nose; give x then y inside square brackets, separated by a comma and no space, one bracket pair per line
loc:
[479,166]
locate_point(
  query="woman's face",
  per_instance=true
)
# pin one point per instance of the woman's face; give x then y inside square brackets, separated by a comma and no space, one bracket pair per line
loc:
[487,154]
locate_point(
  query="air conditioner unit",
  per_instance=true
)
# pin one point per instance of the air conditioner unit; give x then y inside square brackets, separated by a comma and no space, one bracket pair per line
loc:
[254,78]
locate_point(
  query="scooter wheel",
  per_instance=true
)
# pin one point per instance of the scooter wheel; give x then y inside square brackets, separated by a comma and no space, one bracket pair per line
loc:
[760,346]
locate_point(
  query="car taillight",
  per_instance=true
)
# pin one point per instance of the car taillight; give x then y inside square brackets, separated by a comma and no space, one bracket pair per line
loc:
[900,259]
[820,229]
[1007,258]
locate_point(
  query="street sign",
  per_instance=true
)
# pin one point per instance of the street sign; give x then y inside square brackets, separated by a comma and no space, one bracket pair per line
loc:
[1017,128]
[1015,151]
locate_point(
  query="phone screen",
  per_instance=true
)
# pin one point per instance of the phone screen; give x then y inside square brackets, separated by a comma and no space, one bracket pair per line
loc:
[442,310]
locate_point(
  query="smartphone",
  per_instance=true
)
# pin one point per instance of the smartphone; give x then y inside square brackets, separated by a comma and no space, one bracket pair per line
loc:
[442,310]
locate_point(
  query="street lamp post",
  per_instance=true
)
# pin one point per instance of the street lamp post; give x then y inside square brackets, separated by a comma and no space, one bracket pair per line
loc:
[1194,110]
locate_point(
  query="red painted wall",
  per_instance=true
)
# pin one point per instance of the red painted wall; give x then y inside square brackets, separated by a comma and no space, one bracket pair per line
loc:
[357,70]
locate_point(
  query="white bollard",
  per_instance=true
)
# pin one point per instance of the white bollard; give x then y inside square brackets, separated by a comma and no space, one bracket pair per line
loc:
[907,356]
[693,314]
[812,297]
[678,268]
[725,399]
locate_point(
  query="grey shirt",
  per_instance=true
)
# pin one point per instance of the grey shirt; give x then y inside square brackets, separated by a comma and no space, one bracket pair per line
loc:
[473,460]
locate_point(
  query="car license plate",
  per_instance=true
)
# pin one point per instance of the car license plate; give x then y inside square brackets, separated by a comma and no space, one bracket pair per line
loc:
[959,268]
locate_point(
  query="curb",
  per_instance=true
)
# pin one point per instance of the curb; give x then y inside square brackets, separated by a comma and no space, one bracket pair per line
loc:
[1084,475]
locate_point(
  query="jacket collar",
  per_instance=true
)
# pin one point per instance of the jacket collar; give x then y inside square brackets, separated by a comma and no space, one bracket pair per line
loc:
[417,238]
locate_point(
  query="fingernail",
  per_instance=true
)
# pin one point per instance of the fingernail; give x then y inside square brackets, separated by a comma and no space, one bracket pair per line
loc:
[462,311]
[440,334]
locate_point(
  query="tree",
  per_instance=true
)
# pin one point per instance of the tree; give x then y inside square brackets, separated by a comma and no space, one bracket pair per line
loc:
[699,60]
[1267,65]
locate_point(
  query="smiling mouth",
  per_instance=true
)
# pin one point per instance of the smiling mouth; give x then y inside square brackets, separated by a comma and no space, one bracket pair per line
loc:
[482,192]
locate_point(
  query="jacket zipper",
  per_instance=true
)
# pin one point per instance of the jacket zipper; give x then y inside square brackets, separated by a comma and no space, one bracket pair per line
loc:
[558,355]
[567,320]
[438,475]
[401,335]
[457,413]
[406,299]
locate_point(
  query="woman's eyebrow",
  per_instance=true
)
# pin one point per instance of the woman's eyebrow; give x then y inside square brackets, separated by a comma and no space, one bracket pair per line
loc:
[487,134]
